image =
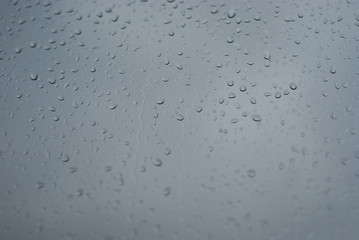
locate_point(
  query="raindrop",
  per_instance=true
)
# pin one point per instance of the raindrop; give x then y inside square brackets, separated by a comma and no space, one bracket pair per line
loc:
[293,86]
[234,120]
[168,151]
[277,94]
[40,185]
[179,117]
[18,50]
[157,162]
[256,117]
[231,95]
[160,101]
[243,88]
[333,70]
[251,173]
[51,80]
[32,44]
[113,106]
[230,39]
[267,55]
[33,76]
[230,83]
[65,157]
[253,100]
[231,13]
[167,191]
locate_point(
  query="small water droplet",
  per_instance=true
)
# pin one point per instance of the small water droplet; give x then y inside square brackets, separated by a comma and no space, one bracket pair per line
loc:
[168,151]
[52,80]
[160,101]
[231,13]
[32,44]
[157,162]
[113,106]
[33,76]
[243,88]
[231,95]
[253,100]
[333,70]
[40,185]
[179,117]
[230,39]
[267,55]
[230,83]
[256,117]
[293,86]
[167,191]
[65,157]
[234,120]
[251,173]
[18,50]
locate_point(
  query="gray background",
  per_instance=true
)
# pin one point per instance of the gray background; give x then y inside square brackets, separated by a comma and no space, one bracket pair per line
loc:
[179,119]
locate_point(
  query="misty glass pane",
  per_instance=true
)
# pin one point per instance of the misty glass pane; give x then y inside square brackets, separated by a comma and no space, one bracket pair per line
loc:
[179,119]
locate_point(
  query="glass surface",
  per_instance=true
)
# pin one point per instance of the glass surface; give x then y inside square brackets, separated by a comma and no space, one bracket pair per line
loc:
[173,119]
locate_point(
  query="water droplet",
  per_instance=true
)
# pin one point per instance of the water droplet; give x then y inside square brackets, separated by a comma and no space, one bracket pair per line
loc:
[40,185]
[277,94]
[267,55]
[234,120]
[230,39]
[18,50]
[33,76]
[179,117]
[73,169]
[51,80]
[251,173]
[61,97]
[113,106]
[168,151]
[65,157]
[157,162]
[231,95]
[160,101]
[32,44]
[214,10]
[257,18]
[333,70]
[167,191]
[293,86]
[243,88]
[230,83]
[256,117]
[333,116]
[253,100]
[231,13]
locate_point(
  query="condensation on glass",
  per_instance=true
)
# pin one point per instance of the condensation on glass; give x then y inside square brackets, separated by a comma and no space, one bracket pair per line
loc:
[174,119]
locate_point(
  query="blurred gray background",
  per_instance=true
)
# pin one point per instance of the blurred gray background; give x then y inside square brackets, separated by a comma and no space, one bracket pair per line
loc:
[173,119]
